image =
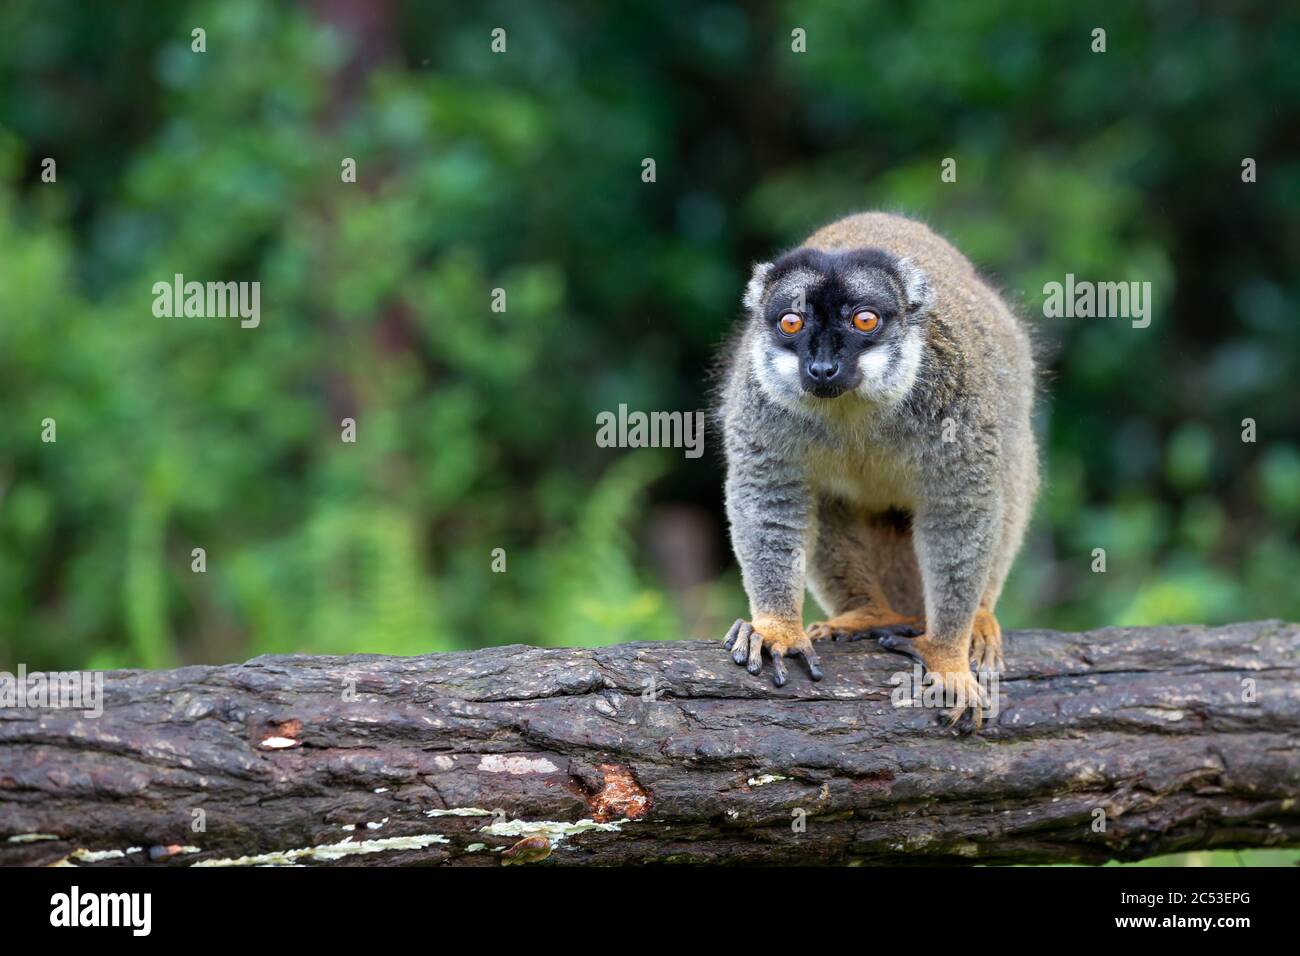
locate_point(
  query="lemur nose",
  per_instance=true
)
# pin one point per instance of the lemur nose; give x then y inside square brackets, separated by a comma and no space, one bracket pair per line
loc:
[823,371]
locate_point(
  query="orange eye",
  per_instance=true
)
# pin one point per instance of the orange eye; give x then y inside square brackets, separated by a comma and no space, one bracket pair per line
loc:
[791,323]
[866,321]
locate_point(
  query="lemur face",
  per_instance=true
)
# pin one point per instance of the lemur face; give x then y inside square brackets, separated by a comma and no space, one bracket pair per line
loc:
[832,323]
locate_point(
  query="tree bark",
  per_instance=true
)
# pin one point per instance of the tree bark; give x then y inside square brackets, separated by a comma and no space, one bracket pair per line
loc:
[1112,744]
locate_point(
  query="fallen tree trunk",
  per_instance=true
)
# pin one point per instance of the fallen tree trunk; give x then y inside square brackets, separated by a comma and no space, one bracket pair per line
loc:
[1117,743]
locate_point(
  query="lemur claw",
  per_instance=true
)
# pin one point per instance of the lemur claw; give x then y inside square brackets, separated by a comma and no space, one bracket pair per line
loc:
[747,643]
[880,632]
[986,643]
[894,639]
[958,680]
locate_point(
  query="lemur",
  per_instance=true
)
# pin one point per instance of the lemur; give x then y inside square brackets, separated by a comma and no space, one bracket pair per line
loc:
[876,406]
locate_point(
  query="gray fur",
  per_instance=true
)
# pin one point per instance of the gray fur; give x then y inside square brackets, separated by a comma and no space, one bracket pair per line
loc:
[757,283]
[792,457]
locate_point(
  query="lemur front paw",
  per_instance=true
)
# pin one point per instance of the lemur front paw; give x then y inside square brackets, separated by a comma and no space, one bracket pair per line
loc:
[778,637]
[866,622]
[948,663]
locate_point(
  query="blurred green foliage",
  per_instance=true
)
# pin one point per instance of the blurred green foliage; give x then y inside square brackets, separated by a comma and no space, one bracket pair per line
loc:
[522,172]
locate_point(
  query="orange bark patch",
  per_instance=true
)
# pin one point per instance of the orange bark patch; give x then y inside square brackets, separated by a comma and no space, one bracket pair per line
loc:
[620,797]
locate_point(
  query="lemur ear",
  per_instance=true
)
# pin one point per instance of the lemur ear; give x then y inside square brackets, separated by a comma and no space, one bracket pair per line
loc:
[757,283]
[916,286]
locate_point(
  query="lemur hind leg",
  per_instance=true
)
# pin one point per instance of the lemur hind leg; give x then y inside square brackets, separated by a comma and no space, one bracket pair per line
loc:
[986,642]
[1021,485]
[864,573]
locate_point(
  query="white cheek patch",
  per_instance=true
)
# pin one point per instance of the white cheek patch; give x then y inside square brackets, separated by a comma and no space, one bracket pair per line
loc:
[786,365]
[777,373]
[889,374]
[874,365]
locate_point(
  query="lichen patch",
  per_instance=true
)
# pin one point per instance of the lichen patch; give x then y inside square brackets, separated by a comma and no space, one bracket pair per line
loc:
[331,851]
[554,830]
[282,735]
[498,763]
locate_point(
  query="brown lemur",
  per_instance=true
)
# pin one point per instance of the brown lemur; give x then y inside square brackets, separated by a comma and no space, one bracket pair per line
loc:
[876,411]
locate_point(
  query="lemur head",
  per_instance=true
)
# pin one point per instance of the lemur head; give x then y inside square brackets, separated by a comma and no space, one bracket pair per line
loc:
[831,323]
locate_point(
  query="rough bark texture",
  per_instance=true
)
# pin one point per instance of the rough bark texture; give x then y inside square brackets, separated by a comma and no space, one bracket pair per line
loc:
[1186,737]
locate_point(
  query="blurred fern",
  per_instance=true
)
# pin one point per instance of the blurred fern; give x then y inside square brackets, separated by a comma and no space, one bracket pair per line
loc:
[593,593]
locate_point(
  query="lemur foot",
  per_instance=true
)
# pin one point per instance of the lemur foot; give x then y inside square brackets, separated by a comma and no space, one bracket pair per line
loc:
[778,637]
[866,622]
[950,668]
[986,643]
